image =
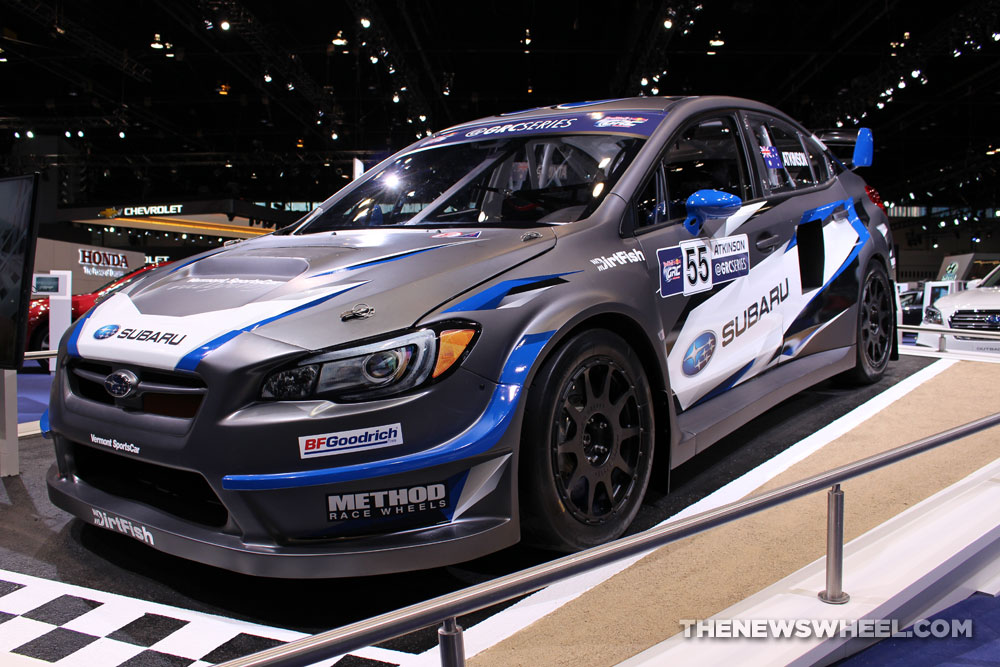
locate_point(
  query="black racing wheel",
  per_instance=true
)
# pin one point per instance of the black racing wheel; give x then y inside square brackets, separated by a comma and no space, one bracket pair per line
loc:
[876,326]
[586,445]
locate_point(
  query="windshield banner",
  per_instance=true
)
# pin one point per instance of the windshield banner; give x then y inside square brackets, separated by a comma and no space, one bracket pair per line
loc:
[633,123]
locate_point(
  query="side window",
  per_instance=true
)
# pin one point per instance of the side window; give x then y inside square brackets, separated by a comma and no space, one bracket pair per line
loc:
[649,201]
[818,159]
[704,156]
[788,163]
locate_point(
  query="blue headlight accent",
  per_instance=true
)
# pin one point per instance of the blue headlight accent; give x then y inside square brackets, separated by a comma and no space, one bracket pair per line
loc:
[43,424]
[491,297]
[478,438]
[191,360]
[71,347]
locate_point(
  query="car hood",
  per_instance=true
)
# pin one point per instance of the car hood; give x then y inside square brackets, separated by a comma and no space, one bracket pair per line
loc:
[299,290]
[978,298]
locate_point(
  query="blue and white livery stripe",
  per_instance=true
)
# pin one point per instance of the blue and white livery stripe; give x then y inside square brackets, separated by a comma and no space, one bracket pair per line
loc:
[478,438]
[170,342]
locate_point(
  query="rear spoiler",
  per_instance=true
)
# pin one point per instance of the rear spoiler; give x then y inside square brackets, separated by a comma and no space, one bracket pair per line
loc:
[854,148]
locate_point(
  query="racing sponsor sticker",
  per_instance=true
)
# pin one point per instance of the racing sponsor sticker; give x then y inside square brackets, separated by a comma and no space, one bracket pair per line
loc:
[386,503]
[699,353]
[620,258]
[373,437]
[457,235]
[114,443]
[122,525]
[700,264]
[771,157]
[620,121]
[669,262]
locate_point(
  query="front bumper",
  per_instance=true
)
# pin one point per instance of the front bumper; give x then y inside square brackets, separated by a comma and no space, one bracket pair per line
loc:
[232,486]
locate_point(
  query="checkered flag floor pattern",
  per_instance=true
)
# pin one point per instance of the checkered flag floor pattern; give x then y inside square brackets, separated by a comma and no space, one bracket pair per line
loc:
[49,623]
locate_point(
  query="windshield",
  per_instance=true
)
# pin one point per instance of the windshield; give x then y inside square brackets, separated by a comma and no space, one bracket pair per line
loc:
[992,279]
[515,181]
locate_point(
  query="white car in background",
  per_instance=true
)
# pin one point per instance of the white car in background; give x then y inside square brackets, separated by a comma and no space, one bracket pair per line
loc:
[976,309]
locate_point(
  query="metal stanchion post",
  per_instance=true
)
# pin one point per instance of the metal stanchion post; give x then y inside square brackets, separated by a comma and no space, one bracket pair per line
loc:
[451,643]
[834,593]
[9,460]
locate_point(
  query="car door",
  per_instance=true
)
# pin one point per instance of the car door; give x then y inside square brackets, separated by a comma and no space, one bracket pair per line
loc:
[815,232]
[716,330]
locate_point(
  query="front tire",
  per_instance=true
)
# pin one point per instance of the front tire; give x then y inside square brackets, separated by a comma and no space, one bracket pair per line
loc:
[586,445]
[876,327]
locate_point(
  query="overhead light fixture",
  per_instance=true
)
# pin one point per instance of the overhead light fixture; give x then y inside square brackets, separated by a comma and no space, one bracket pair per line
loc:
[655,91]
[339,40]
[395,98]
[644,81]
[70,134]
[209,25]
[334,135]
[3,57]
[717,40]
[267,78]
[668,24]
[365,23]
[299,143]
[156,43]
[224,24]
[423,118]
[223,89]
[374,59]
[915,74]
[79,133]
[121,134]
[290,86]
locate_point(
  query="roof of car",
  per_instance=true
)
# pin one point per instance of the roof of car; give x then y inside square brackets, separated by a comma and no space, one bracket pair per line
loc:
[645,103]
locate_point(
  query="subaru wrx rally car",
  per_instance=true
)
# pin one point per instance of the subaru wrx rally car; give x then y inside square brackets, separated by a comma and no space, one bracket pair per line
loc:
[489,335]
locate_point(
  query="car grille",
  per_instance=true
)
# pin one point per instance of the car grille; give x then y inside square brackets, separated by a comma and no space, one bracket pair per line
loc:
[981,320]
[158,392]
[180,493]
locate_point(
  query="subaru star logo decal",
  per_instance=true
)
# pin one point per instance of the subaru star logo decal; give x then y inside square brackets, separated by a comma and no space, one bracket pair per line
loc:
[107,331]
[121,383]
[699,353]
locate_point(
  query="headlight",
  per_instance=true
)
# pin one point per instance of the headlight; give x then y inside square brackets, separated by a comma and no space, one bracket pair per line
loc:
[373,370]
[932,316]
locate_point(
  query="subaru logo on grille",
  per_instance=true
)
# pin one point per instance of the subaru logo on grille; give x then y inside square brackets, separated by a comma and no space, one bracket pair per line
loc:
[993,319]
[699,353]
[107,331]
[121,383]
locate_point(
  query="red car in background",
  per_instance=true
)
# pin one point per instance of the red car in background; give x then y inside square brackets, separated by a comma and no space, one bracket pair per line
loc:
[37,335]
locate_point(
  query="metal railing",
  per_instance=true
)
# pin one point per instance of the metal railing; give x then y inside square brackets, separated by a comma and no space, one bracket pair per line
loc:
[447,608]
[41,354]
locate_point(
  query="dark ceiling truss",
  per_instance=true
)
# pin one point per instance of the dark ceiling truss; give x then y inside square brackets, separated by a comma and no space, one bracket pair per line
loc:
[84,39]
[386,46]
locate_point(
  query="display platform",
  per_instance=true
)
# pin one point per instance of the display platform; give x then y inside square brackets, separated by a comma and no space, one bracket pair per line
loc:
[71,586]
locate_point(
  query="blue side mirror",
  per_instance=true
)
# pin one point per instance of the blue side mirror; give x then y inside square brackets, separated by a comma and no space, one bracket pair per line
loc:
[706,204]
[864,148]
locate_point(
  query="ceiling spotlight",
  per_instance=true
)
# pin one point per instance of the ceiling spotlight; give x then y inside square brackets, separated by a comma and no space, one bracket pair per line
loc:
[224,24]
[121,134]
[644,81]
[79,133]
[334,136]
[668,24]
[915,74]
[209,25]
[290,86]
[374,59]
[299,143]
[156,43]
[717,40]
[901,84]
[365,23]
[17,135]
[223,89]
[395,98]
[339,40]
[267,78]
[423,118]
[3,58]
[655,91]
[68,134]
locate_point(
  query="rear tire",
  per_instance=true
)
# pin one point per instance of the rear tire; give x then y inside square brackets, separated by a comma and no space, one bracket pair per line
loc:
[586,445]
[876,327]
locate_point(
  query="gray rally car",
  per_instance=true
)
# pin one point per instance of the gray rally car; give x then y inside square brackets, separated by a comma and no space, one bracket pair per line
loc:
[488,336]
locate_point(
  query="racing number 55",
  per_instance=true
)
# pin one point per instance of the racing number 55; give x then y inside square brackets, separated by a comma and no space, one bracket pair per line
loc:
[697,266]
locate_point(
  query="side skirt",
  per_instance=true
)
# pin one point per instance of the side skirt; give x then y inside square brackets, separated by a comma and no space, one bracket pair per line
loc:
[709,422]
